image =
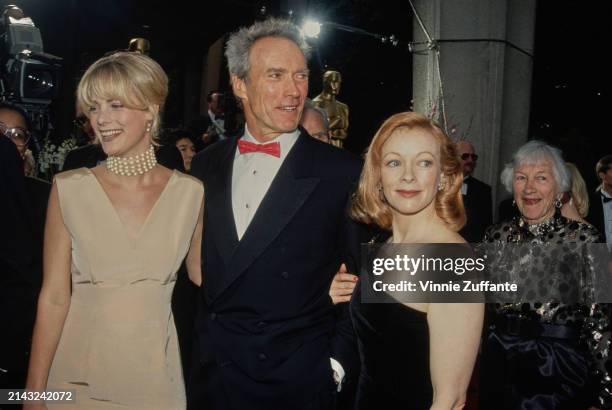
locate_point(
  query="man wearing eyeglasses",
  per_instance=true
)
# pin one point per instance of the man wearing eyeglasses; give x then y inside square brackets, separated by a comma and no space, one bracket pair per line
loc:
[14,126]
[476,196]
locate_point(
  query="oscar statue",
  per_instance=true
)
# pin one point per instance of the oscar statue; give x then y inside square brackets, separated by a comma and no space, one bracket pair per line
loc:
[140,45]
[337,112]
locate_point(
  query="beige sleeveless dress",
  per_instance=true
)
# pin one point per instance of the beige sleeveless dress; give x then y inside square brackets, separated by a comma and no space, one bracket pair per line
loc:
[119,348]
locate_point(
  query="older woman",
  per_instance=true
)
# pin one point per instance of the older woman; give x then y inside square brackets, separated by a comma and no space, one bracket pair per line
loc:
[536,356]
[114,240]
[414,355]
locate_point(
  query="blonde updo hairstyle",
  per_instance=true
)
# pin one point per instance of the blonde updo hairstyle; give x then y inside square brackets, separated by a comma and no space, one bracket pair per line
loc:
[369,205]
[132,78]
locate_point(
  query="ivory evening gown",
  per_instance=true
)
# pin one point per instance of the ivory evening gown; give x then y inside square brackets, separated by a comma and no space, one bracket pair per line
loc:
[119,347]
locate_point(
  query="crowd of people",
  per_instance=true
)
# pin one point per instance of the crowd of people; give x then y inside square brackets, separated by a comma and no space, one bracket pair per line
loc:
[204,268]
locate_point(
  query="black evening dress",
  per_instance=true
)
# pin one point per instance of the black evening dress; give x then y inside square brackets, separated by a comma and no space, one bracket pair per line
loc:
[394,350]
[545,356]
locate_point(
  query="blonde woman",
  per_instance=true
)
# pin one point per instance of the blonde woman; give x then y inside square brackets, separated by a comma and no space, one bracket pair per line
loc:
[577,205]
[115,236]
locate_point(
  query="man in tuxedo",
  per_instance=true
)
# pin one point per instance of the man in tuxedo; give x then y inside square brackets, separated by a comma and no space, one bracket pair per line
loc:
[276,231]
[476,196]
[600,210]
[216,114]
[211,127]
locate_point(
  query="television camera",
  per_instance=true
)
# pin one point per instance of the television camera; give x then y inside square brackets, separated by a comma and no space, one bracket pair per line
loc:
[29,77]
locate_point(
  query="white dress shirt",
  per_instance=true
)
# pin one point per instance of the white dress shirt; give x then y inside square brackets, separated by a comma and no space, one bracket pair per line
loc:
[218,123]
[252,176]
[464,187]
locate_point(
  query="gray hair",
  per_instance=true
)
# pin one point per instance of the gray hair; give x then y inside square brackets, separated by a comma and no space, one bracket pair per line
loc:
[309,104]
[535,151]
[238,46]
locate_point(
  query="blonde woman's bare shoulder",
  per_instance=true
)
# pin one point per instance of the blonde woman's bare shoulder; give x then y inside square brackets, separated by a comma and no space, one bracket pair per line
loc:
[72,174]
[190,181]
[187,177]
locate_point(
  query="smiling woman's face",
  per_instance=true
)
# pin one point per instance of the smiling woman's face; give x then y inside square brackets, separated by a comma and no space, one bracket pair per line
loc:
[410,170]
[122,131]
[535,191]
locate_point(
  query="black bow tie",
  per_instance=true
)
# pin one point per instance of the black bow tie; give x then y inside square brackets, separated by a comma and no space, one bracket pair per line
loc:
[220,117]
[605,199]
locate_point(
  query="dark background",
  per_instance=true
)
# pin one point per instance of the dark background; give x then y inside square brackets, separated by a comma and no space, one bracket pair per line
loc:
[570,87]
[571,81]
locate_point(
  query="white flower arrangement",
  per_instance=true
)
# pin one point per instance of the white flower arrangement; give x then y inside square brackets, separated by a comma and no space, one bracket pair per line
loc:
[51,157]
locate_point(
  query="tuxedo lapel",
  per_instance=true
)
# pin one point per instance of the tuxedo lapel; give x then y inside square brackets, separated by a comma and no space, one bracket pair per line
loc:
[289,190]
[219,191]
[469,185]
[596,214]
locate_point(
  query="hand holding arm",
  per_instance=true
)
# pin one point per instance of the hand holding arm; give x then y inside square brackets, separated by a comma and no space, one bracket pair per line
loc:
[342,285]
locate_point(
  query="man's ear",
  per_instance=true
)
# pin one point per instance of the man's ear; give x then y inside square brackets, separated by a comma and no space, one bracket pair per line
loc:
[239,87]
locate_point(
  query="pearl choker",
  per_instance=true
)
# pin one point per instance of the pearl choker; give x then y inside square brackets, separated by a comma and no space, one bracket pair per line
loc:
[132,166]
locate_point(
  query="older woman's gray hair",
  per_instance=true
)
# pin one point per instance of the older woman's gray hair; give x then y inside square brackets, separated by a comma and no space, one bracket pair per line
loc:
[533,152]
[239,43]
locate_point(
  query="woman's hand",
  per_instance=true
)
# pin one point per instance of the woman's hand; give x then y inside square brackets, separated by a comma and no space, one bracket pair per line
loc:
[342,286]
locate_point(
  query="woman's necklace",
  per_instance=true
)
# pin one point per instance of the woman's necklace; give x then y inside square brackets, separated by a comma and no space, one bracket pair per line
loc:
[538,229]
[134,165]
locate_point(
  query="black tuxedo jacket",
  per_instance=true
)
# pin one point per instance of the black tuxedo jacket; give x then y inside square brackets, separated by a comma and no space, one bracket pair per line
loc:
[479,210]
[266,318]
[596,214]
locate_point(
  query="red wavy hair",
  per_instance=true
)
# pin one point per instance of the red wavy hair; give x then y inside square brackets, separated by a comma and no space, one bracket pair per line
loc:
[369,207]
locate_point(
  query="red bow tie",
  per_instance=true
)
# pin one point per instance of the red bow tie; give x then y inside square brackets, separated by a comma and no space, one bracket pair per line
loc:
[271,148]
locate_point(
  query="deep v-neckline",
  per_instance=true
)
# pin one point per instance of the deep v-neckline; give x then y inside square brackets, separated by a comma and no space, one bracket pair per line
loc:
[113,210]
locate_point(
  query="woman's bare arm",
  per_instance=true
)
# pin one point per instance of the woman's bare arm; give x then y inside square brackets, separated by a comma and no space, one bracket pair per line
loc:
[54,298]
[194,256]
[454,337]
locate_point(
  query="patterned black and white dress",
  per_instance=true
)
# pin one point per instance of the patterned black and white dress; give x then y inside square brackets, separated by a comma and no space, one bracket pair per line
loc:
[547,355]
